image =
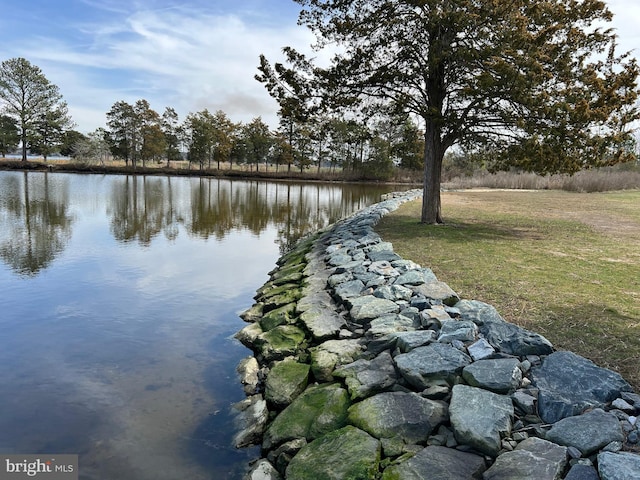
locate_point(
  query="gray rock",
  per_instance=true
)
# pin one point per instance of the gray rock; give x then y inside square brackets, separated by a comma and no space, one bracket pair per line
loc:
[339,278]
[533,459]
[435,312]
[248,369]
[500,375]
[389,324]
[331,354]
[632,398]
[587,432]
[383,268]
[582,472]
[451,330]
[393,292]
[322,321]
[339,258]
[262,470]
[250,421]
[350,289]
[570,384]
[503,336]
[439,463]
[280,342]
[318,410]
[439,291]
[436,361]
[480,418]
[347,453]
[398,414]
[619,466]
[365,377]
[623,405]
[412,277]
[407,341]
[525,402]
[369,307]
[480,350]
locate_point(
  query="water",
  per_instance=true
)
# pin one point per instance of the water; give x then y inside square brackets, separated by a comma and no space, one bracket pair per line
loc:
[119,298]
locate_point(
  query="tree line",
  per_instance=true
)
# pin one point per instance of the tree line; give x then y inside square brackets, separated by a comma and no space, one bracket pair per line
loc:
[36,117]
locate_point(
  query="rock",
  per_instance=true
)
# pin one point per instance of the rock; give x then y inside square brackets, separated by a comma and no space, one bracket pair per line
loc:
[350,289]
[318,410]
[365,377]
[570,384]
[279,316]
[480,418]
[347,453]
[533,459]
[253,314]
[280,342]
[391,323]
[322,321]
[407,341]
[525,402]
[623,405]
[393,292]
[481,349]
[435,312]
[383,267]
[280,296]
[438,291]
[431,362]
[331,354]
[248,369]
[412,277]
[618,466]
[439,463]
[281,456]
[369,307]
[249,335]
[500,375]
[582,472]
[285,381]
[503,336]
[588,432]
[250,421]
[451,330]
[398,414]
[262,470]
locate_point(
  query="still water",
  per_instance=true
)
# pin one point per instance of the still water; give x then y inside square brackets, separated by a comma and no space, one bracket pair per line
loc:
[119,298]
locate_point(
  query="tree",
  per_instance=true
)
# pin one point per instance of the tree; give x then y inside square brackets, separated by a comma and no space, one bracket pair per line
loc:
[48,132]
[536,79]
[27,96]
[9,135]
[70,139]
[123,133]
[172,133]
[258,140]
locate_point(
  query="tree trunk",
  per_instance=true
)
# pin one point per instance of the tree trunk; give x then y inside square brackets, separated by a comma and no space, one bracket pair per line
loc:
[433,155]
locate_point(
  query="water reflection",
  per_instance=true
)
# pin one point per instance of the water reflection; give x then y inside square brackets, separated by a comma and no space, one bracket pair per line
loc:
[34,219]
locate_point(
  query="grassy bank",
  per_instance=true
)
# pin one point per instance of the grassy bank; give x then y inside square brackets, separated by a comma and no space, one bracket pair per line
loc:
[566,265]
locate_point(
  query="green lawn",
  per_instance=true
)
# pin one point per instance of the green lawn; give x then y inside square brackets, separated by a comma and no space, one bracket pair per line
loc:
[566,265]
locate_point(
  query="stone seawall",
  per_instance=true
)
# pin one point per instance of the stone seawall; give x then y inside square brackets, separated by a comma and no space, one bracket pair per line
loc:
[366,366]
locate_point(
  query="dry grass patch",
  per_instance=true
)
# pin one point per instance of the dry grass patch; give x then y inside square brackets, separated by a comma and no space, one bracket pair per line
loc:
[566,265]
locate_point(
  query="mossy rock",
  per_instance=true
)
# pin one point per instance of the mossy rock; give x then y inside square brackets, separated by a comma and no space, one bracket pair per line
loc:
[249,335]
[285,294]
[346,454]
[318,410]
[252,314]
[280,316]
[286,380]
[280,342]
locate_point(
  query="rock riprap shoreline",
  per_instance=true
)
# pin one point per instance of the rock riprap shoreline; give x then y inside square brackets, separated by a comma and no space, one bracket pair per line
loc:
[366,366]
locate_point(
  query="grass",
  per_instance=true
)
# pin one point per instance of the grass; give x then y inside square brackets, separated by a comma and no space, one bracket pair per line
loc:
[565,265]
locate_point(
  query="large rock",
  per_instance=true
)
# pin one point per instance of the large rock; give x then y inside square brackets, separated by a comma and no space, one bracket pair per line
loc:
[464,331]
[280,342]
[286,380]
[347,453]
[588,432]
[480,418]
[262,470]
[368,307]
[280,316]
[331,354]
[438,291]
[249,370]
[570,384]
[318,410]
[437,361]
[619,466]
[250,421]
[322,321]
[502,335]
[365,377]
[500,375]
[390,323]
[406,416]
[533,459]
[439,463]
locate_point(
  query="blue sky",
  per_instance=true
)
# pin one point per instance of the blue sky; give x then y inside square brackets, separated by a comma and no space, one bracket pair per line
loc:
[189,55]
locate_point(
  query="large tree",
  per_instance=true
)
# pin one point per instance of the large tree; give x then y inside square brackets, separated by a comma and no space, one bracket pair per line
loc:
[9,135]
[537,81]
[28,96]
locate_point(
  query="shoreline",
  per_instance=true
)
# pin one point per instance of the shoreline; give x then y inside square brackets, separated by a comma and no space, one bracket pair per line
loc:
[346,323]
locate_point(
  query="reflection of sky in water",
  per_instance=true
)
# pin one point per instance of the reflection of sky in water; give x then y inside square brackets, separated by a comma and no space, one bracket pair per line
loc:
[123,352]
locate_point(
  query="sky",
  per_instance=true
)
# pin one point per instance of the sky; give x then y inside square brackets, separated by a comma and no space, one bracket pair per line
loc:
[188,55]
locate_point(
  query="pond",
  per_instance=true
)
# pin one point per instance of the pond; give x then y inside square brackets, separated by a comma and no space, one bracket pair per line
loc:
[119,299]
